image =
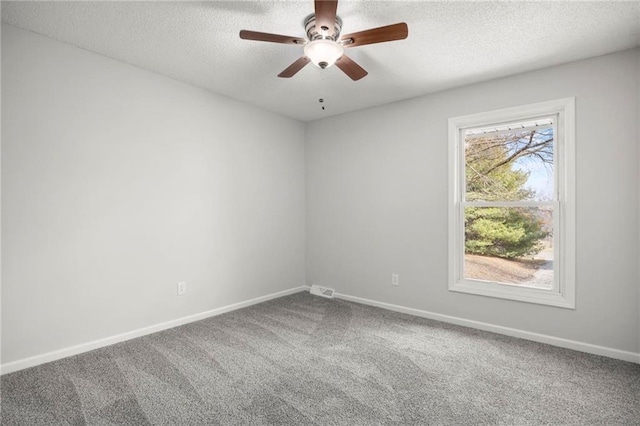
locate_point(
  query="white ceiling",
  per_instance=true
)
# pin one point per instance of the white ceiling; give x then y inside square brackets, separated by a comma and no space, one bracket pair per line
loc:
[450,44]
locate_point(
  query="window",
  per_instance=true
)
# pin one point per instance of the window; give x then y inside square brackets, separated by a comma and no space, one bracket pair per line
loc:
[512,203]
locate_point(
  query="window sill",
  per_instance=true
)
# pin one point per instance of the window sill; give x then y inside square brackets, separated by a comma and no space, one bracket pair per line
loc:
[506,291]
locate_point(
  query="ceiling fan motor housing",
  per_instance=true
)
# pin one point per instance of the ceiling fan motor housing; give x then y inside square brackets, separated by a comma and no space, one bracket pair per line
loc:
[312,31]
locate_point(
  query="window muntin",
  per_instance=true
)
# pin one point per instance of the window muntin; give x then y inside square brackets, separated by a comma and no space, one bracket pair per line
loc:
[512,214]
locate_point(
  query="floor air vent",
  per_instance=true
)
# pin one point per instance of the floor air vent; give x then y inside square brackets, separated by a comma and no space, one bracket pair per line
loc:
[322,291]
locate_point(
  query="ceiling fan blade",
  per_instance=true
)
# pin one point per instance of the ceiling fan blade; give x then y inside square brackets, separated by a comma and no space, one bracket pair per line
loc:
[350,68]
[274,38]
[377,35]
[326,15]
[292,69]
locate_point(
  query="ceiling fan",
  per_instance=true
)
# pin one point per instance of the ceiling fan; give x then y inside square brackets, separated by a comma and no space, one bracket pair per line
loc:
[324,46]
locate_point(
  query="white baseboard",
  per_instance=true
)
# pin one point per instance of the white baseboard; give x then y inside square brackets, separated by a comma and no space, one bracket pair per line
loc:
[527,335]
[100,343]
[536,337]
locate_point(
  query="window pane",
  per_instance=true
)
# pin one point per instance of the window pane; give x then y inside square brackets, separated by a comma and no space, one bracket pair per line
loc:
[510,245]
[510,166]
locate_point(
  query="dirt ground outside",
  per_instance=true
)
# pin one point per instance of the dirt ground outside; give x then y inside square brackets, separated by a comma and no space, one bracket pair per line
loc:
[516,271]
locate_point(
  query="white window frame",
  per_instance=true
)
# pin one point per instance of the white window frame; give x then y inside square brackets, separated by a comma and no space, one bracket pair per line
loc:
[563,292]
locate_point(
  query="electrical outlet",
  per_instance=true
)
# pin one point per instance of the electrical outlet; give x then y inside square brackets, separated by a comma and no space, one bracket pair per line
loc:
[182,288]
[395,279]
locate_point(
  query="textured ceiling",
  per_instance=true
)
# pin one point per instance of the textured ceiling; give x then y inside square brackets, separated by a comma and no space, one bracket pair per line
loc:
[449,44]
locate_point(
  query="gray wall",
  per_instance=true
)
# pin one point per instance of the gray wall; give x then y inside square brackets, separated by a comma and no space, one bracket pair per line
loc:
[117,183]
[377,201]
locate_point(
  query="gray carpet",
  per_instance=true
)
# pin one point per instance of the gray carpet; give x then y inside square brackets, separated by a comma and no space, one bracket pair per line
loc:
[304,360]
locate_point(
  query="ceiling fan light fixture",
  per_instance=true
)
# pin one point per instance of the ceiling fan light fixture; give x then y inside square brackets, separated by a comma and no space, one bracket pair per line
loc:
[323,53]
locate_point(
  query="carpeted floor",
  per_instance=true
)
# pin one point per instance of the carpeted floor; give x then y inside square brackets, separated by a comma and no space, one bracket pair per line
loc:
[304,360]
